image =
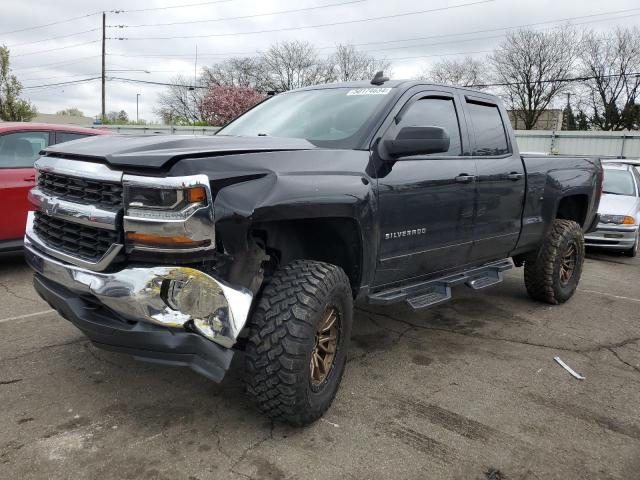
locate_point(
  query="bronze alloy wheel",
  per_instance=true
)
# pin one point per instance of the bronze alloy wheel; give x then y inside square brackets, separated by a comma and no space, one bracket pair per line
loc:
[568,263]
[324,351]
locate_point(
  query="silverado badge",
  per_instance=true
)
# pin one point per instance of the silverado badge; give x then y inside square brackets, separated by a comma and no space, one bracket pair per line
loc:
[405,233]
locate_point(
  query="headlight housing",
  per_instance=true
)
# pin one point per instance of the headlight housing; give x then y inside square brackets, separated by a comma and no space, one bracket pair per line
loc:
[168,214]
[618,219]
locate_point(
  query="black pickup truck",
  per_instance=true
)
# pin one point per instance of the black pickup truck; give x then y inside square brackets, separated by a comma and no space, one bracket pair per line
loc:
[259,239]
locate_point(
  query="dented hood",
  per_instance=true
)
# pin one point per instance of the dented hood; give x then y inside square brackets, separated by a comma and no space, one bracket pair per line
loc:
[156,151]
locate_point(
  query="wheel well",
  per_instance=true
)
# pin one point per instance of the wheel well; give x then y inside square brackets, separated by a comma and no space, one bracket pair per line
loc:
[573,207]
[332,240]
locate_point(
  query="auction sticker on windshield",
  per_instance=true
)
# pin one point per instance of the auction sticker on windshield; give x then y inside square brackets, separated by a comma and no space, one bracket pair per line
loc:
[369,91]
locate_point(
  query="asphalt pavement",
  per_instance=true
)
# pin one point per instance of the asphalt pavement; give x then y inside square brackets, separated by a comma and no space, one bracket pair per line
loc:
[467,390]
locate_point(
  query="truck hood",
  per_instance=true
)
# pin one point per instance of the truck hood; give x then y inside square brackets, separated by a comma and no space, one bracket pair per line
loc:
[617,204]
[156,151]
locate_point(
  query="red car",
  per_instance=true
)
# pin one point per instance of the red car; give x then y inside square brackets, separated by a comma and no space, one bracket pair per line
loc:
[20,144]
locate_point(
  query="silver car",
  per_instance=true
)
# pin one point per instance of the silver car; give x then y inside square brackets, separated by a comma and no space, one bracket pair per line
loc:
[619,210]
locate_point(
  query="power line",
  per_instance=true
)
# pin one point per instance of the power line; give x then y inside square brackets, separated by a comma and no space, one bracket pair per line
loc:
[59,64]
[279,12]
[86,15]
[380,42]
[56,76]
[169,7]
[52,23]
[319,25]
[446,42]
[564,80]
[56,49]
[54,38]
[438,55]
[70,82]
[152,82]
[556,80]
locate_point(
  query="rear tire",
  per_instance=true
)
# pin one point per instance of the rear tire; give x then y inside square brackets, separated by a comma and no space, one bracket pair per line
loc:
[296,353]
[553,275]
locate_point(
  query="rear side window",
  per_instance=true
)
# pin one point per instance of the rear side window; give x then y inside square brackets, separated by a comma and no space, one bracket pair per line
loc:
[491,137]
[435,112]
[21,149]
[68,136]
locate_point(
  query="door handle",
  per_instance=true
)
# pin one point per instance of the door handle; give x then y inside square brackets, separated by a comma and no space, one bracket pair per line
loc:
[30,179]
[465,178]
[515,176]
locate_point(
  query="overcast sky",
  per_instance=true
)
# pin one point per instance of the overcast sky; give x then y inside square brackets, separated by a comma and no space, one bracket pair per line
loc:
[411,42]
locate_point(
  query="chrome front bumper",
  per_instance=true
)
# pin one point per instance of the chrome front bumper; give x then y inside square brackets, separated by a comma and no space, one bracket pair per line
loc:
[620,237]
[135,293]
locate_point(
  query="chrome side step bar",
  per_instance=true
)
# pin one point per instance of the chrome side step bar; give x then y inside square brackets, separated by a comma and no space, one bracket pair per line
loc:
[428,293]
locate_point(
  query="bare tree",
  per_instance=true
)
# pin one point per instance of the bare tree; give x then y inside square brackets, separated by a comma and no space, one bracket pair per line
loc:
[181,103]
[351,64]
[614,62]
[236,72]
[533,68]
[294,64]
[467,72]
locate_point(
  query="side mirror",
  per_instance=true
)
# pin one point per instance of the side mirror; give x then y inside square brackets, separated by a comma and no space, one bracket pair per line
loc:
[416,141]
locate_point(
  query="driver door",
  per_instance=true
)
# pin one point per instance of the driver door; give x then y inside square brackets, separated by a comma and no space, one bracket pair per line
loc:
[426,202]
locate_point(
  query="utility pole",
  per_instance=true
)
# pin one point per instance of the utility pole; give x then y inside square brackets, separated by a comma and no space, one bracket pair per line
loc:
[137,97]
[104,41]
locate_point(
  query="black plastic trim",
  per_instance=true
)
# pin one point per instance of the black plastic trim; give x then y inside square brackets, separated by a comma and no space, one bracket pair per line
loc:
[145,341]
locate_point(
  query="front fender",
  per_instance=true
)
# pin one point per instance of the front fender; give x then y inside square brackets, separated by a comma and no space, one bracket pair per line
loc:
[295,196]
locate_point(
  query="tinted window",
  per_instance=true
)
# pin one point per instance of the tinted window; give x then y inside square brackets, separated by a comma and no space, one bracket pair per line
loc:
[21,149]
[491,138]
[435,112]
[618,182]
[68,136]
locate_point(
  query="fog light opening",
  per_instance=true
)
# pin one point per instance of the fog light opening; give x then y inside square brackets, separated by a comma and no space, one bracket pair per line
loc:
[212,326]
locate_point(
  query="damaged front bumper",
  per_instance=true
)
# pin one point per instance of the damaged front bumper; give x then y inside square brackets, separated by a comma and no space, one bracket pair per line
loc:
[154,313]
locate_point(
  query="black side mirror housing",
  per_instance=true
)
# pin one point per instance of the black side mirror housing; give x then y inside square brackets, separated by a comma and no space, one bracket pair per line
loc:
[416,141]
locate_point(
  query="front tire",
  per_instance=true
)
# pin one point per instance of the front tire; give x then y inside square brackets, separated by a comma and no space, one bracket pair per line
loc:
[298,337]
[553,275]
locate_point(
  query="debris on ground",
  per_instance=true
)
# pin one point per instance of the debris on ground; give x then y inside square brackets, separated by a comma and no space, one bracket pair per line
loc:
[568,368]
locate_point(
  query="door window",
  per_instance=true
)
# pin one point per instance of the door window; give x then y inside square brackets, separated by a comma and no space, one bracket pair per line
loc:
[21,149]
[491,137]
[435,112]
[69,136]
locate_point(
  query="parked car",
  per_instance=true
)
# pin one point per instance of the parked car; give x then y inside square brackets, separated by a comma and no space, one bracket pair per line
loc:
[20,144]
[259,239]
[619,209]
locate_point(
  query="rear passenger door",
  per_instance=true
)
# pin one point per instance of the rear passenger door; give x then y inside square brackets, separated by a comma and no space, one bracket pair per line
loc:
[500,182]
[426,202]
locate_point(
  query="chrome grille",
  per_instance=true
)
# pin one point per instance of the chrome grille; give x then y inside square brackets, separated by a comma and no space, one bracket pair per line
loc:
[87,243]
[107,195]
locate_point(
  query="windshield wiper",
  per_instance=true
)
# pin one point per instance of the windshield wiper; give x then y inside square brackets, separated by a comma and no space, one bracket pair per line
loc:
[612,193]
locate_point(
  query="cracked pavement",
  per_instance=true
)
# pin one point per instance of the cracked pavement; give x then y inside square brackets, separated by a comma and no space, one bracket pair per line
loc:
[466,390]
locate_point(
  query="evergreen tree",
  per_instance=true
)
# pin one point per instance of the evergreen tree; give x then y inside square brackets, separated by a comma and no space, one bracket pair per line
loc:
[568,119]
[582,121]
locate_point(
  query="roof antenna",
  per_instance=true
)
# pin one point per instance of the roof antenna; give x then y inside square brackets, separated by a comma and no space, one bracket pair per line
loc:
[379,78]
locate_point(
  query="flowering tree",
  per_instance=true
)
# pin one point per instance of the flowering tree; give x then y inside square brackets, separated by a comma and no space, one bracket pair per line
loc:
[222,104]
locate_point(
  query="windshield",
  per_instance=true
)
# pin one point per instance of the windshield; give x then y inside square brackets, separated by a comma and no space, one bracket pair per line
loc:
[618,182]
[330,117]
